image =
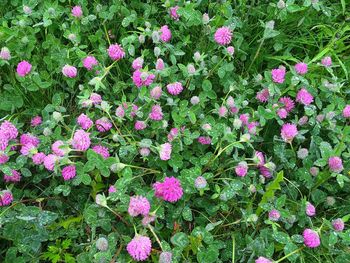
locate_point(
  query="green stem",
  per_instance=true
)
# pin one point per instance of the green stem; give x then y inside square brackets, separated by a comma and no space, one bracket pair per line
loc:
[288,255]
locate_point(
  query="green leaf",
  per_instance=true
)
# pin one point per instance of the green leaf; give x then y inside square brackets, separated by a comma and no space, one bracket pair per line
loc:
[180,240]
[187,213]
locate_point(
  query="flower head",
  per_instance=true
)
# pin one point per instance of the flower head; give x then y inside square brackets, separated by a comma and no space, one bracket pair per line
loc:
[165,33]
[304,97]
[170,190]
[50,161]
[81,140]
[204,140]
[278,75]
[6,198]
[101,150]
[23,68]
[77,11]
[69,71]
[223,35]
[173,13]
[287,103]
[241,169]
[103,124]
[95,98]
[68,172]
[326,61]
[311,238]
[139,248]
[346,111]
[27,138]
[200,182]
[174,88]
[165,151]
[335,164]
[139,205]
[137,63]
[57,148]
[301,68]
[14,177]
[142,78]
[140,125]
[5,53]
[116,52]
[89,62]
[288,132]
[156,92]
[165,257]
[8,131]
[84,121]
[36,121]
[38,158]
[310,210]
[274,215]
[263,95]
[338,224]
[160,64]
[3,157]
[156,113]
[262,260]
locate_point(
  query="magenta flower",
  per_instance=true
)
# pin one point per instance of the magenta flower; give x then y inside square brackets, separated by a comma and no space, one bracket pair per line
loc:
[50,161]
[244,118]
[156,92]
[84,121]
[288,132]
[101,150]
[112,189]
[38,158]
[223,35]
[140,125]
[241,169]
[287,103]
[335,164]
[165,151]
[310,210]
[57,148]
[304,97]
[230,50]
[14,177]
[69,71]
[27,138]
[36,121]
[28,149]
[174,88]
[282,113]
[263,95]
[263,260]
[95,98]
[89,62]
[137,63]
[68,172]
[204,140]
[3,157]
[165,34]
[77,11]
[81,140]
[222,111]
[274,215]
[139,248]
[338,224]
[173,13]
[156,113]
[278,75]
[8,131]
[23,68]
[6,198]
[160,64]
[170,190]
[311,238]
[301,68]
[103,124]
[346,111]
[148,219]
[139,205]
[326,61]
[120,112]
[142,78]
[116,52]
